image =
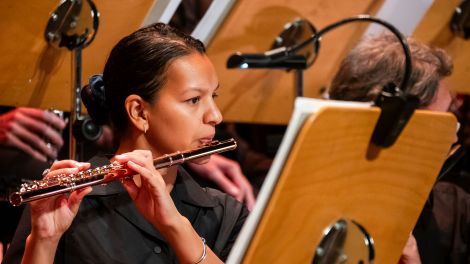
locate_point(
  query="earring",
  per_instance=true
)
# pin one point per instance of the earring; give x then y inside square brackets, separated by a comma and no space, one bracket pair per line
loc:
[145,128]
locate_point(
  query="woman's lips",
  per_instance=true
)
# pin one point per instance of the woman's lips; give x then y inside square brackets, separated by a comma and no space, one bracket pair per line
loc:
[206,140]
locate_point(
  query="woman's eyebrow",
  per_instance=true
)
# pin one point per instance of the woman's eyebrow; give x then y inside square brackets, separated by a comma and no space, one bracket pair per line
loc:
[199,89]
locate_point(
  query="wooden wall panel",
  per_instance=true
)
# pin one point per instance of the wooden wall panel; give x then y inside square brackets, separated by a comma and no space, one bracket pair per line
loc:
[266,96]
[28,67]
[434,29]
[35,74]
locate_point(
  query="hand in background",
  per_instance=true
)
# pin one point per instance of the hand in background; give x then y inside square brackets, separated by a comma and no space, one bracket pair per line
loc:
[228,175]
[410,254]
[30,130]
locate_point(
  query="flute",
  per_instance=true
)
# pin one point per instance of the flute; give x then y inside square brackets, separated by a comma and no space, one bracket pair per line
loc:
[63,183]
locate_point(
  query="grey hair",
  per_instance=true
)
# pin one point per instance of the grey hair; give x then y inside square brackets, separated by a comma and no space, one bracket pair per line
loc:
[378,60]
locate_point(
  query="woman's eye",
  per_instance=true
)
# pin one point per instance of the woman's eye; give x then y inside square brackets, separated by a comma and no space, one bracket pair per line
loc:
[194,100]
[215,95]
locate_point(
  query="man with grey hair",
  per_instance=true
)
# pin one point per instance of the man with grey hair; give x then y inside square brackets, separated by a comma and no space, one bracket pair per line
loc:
[443,229]
[379,60]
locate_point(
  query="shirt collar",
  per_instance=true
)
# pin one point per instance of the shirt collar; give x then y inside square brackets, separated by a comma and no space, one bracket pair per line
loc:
[188,191]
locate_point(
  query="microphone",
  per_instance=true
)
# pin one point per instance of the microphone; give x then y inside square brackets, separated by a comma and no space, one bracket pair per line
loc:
[273,59]
[396,103]
[281,55]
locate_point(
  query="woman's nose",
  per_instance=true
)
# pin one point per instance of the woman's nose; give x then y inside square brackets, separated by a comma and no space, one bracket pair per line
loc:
[213,115]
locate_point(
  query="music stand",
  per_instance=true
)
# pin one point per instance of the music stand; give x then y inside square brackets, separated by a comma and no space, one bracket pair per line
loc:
[326,170]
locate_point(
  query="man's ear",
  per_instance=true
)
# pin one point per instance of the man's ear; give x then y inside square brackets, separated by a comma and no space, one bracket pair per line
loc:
[136,109]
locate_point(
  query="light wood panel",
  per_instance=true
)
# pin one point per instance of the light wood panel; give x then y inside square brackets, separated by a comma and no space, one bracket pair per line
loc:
[434,29]
[35,74]
[266,96]
[327,177]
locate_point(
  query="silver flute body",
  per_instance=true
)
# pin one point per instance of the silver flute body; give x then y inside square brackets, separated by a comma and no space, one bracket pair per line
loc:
[64,183]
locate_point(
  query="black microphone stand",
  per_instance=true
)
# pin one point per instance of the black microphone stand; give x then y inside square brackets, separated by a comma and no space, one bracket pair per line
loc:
[63,30]
[396,104]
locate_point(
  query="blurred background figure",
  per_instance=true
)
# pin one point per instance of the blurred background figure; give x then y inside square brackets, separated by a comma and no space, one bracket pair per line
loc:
[442,229]
[30,139]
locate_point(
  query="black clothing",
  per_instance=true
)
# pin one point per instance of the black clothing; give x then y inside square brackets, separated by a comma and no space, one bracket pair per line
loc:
[443,228]
[17,166]
[109,229]
[442,231]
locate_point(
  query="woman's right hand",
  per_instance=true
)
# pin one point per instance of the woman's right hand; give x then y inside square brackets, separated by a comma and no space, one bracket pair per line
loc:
[51,217]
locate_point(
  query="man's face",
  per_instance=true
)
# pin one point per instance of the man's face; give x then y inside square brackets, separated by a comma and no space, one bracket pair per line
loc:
[443,99]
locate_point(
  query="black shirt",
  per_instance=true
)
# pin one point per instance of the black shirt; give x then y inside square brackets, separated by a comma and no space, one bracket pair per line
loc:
[443,228]
[109,229]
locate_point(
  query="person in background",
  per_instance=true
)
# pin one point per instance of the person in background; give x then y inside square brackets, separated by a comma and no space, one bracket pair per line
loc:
[443,228]
[29,137]
[227,175]
[158,92]
[33,131]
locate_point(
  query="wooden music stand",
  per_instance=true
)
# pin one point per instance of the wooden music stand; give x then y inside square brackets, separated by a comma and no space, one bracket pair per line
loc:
[322,174]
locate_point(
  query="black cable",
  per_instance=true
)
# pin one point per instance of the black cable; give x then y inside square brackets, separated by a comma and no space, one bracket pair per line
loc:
[289,51]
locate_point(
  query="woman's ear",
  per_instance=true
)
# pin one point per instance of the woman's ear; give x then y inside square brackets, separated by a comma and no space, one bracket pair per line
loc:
[136,109]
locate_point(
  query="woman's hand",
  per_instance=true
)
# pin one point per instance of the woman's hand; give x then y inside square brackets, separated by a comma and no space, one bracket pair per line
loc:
[150,196]
[154,202]
[51,217]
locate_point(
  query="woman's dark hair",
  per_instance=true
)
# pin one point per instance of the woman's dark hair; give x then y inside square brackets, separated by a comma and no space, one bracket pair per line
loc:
[136,65]
[379,60]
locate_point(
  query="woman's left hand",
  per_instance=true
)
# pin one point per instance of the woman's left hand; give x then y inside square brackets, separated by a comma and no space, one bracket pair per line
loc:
[150,196]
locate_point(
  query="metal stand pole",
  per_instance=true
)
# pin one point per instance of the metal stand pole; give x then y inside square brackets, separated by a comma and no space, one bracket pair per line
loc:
[75,101]
[299,83]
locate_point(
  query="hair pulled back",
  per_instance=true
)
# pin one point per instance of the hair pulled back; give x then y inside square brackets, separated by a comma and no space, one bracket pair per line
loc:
[137,65]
